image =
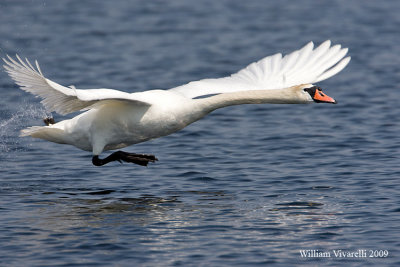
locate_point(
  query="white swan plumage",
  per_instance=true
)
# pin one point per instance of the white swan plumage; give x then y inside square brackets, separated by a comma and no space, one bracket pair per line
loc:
[114,119]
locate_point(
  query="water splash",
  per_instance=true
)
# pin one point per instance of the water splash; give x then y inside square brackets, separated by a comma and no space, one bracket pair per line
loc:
[10,127]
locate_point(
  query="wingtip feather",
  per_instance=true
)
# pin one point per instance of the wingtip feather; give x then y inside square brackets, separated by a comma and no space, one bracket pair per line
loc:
[334,70]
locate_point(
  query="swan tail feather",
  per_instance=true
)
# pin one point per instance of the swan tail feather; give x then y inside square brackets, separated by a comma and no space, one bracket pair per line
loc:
[45,132]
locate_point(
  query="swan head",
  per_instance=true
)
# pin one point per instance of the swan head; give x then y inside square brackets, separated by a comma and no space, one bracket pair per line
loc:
[317,95]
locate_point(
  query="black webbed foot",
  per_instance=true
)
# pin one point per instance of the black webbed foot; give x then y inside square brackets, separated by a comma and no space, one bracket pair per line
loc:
[140,159]
[48,121]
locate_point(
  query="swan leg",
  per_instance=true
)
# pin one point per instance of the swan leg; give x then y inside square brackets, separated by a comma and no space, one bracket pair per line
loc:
[140,159]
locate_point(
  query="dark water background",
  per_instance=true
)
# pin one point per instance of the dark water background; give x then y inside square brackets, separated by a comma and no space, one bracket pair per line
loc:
[248,185]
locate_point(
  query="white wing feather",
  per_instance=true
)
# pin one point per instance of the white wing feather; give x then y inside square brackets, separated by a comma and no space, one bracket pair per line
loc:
[56,97]
[303,66]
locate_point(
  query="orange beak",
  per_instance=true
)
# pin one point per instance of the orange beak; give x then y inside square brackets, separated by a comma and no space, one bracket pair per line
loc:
[319,96]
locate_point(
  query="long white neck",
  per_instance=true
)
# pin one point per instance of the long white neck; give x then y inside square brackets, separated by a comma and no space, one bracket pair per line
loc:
[291,95]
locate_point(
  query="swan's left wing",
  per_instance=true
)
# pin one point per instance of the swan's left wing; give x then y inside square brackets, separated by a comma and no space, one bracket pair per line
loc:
[58,98]
[303,66]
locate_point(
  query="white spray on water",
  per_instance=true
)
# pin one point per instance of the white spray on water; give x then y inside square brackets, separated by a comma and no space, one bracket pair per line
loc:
[10,127]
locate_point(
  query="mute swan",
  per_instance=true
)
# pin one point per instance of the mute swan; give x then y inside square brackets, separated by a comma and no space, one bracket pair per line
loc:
[115,119]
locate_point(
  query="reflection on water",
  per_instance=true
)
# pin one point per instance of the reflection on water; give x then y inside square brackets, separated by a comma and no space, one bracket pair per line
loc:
[91,208]
[110,208]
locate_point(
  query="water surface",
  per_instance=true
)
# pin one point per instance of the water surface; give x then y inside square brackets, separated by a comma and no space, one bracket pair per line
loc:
[248,185]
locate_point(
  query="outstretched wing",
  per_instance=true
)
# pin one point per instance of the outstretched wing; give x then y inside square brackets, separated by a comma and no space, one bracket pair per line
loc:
[56,97]
[303,66]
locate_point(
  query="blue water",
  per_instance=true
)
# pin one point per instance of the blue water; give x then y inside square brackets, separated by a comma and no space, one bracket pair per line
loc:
[248,185]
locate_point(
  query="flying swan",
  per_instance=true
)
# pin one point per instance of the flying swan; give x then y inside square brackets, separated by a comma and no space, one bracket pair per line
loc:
[115,119]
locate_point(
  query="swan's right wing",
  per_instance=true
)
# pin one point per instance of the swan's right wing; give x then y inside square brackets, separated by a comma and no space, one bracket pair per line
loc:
[56,97]
[303,66]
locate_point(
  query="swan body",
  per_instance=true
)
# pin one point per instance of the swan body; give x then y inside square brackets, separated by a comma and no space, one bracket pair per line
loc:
[114,119]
